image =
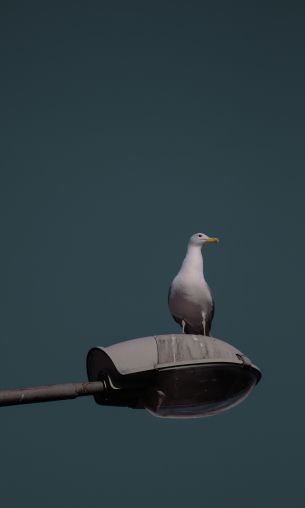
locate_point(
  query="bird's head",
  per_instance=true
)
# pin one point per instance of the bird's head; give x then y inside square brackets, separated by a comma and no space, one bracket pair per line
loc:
[200,240]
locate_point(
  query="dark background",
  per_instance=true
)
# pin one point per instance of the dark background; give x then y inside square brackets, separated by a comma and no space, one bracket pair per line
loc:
[125,128]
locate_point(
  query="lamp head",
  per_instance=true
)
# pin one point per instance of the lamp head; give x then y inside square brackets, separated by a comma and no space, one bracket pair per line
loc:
[173,376]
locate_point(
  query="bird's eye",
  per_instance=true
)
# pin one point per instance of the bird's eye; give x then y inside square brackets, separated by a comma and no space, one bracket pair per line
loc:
[200,236]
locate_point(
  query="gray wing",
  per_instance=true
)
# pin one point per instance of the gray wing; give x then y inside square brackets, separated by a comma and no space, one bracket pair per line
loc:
[179,321]
[210,317]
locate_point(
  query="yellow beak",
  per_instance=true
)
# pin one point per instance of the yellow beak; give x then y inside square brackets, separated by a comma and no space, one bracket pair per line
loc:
[212,240]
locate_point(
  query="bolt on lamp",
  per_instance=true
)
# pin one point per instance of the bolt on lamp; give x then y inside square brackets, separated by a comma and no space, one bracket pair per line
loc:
[172,376]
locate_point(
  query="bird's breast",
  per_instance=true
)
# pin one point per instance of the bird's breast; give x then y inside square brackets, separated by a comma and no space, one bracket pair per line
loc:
[193,292]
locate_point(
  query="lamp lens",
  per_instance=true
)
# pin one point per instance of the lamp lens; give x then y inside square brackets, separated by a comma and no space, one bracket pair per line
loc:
[199,390]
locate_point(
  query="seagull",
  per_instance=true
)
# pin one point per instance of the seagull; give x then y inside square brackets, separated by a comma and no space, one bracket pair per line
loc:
[189,297]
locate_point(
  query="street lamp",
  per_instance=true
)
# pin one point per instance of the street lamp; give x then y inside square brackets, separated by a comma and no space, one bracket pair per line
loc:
[172,376]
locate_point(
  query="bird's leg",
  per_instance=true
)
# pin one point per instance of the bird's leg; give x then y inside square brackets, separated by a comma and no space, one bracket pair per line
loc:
[203,322]
[183,326]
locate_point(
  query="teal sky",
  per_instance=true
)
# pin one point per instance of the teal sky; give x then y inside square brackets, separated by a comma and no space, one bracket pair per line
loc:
[125,128]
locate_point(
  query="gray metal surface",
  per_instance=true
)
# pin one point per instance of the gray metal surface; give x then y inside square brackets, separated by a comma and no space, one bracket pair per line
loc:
[134,355]
[157,351]
[49,393]
[183,348]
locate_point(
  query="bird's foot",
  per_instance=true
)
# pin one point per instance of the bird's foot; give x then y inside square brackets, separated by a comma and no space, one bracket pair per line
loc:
[183,326]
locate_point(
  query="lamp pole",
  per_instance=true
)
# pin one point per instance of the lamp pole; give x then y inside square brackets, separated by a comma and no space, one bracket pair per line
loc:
[50,392]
